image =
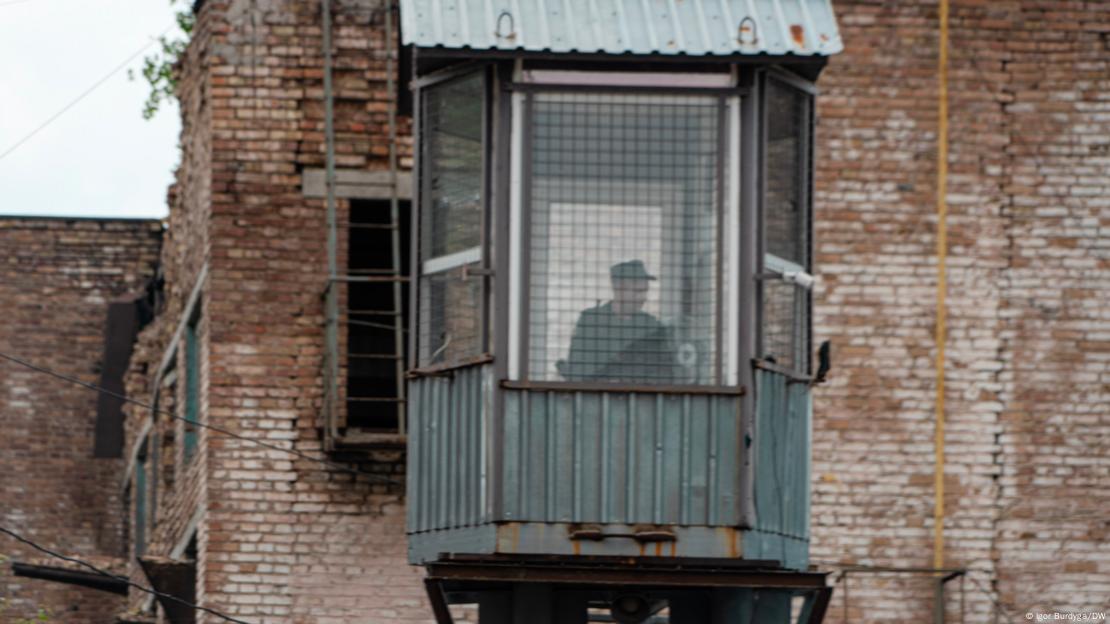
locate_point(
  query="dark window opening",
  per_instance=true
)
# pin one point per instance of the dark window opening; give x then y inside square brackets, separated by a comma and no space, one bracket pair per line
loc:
[404,78]
[128,530]
[141,502]
[378,312]
[119,337]
[192,388]
[165,403]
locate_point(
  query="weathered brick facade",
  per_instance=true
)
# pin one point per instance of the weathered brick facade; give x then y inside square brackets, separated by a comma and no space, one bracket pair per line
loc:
[287,539]
[57,277]
[280,538]
[1028,474]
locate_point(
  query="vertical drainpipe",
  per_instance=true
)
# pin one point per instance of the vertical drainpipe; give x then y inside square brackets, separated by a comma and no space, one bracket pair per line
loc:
[942,287]
[331,303]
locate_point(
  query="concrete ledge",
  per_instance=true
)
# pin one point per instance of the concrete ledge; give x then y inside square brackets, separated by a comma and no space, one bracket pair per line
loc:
[356,184]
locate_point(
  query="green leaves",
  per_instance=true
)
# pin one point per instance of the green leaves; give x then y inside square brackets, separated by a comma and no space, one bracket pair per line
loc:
[160,69]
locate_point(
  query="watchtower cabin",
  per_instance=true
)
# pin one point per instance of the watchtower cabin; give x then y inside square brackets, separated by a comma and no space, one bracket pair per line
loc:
[611,360]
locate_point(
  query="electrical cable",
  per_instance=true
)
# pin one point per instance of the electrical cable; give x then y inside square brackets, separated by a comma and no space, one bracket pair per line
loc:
[123,579]
[85,94]
[220,430]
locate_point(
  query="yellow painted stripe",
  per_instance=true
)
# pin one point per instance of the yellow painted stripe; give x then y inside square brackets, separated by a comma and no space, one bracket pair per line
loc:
[942,283]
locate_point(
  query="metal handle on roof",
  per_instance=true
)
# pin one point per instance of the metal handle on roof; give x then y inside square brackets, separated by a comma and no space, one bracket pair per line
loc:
[512,26]
[743,30]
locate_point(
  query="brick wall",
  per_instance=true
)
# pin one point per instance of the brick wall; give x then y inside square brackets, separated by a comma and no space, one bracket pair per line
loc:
[281,538]
[57,277]
[285,539]
[1051,539]
[1027,335]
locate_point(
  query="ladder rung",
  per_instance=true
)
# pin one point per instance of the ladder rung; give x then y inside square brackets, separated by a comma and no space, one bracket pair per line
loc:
[374,312]
[375,356]
[376,325]
[372,271]
[356,279]
[372,226]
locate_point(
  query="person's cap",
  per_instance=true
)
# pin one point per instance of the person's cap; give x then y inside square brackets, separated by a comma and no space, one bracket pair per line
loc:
[631,269]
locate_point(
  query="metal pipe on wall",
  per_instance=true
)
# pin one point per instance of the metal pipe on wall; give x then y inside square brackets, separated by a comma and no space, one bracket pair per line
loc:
[331,302]
[942,285]
[395,213]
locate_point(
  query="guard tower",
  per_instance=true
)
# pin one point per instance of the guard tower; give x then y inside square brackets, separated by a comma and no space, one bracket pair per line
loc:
[609,406]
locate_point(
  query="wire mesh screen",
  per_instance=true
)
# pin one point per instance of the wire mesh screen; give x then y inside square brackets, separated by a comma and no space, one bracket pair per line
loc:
[451,232]
[785,216]
[785,325]
[786,307]
[452,164]
[451,308]
[625,214]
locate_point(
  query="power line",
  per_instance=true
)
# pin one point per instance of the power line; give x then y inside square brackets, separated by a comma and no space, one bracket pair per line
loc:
[123,579]
[220,430]
[85,94]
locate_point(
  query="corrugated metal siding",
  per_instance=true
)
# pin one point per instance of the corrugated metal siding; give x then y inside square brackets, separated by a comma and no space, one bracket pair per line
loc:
[448,449]
[782,439]
[691,27]
[621,458]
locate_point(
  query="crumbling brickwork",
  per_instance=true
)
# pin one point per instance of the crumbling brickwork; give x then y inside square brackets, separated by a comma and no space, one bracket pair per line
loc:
[279,538]
[57,277]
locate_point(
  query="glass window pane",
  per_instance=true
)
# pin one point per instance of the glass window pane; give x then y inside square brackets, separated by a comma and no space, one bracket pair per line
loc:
[785,325]
[452,167]
[451,312]
[785,219]
[451,221]
[624,239]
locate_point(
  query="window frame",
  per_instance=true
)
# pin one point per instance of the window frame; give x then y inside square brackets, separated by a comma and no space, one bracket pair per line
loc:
[357,276]
[729,219]
[505,226]
[479,255]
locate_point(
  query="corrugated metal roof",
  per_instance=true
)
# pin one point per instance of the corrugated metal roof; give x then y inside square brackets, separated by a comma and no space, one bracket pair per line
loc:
[691,27]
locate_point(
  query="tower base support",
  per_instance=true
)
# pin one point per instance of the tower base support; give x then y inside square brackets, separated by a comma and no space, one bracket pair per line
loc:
[641,590]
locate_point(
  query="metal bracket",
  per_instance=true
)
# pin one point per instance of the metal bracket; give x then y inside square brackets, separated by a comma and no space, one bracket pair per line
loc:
[469,272]
[642,534]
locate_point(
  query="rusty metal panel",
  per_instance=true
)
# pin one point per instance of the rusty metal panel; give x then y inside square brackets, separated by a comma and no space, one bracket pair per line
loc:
[782,470]
[447,451]
[625,458]
[691,27]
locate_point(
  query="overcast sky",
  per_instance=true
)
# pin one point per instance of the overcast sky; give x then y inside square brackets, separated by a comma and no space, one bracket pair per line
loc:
[100,158]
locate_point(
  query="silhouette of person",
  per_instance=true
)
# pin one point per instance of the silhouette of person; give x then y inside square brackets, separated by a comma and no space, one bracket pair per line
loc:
[618,341]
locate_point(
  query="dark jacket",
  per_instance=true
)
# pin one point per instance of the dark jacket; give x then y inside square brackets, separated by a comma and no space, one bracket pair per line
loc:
[607,347]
